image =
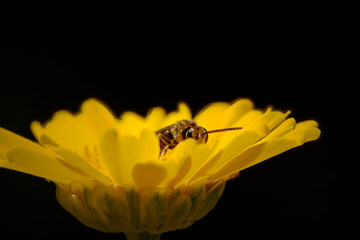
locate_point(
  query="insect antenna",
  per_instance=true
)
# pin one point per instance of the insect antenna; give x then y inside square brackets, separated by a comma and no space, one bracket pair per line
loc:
[224,129]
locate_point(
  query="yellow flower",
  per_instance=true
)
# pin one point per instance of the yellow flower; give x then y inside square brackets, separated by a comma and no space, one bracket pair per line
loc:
[109,175]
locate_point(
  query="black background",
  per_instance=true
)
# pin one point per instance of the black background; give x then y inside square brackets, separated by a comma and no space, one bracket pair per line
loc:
[134,55]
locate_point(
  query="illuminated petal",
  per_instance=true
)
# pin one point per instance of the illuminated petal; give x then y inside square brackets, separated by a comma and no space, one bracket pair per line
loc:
[283,139]
[67,131]
[119,155]
[211,116]
[75,160]
[222,115]
[287,126]
[111,155]
[276,118]
[36,129]
[131,123]
[235,112]
[9,139]
[155,118]
[228,151]
[310,128]
[250,119]
[201,173]
[183,112]
[254,155]
[47,141]
[96,116]
[3,152]
[41,164]
[149,147]
[183,150]
[149,174]
[199,157]
[179,171]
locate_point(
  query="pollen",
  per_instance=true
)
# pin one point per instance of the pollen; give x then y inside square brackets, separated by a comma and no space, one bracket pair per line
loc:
[93,158]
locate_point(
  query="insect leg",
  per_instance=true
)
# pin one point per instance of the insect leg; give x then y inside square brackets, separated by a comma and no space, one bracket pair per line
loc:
[165,143]
[163,152]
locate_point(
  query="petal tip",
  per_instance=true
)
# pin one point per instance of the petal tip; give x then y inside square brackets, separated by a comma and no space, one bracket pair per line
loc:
[148,174]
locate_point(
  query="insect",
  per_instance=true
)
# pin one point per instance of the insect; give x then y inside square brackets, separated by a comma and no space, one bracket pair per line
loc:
[171,136]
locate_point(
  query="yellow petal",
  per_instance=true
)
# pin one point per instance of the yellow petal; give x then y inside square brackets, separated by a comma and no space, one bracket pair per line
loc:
[47,141]
[148,174]
[222,140]
[66,130]
[75,160]
[9,139]
[179,162]
[119,155]
[183,112]
[277,118]
[155,118]
[41,164]
[285,127]
[183,150]
[250,119]
[110,153]
[238,144]
[211,115]
[3,152]
[202,172]
[254,155]
[310,128]
[179,171]
[96,116]
[131,123]
[235,112]
[286,136]
[199,156]
[228,151]
[149,147]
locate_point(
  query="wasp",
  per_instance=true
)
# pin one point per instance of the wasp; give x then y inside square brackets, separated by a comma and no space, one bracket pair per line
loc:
[171,136]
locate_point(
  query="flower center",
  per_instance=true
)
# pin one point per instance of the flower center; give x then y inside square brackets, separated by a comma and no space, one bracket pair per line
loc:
[92,156]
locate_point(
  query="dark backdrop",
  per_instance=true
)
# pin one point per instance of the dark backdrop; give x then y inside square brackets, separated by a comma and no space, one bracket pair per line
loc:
[134,55]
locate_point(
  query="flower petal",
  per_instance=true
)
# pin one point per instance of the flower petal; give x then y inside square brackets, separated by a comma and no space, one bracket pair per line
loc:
[222,115]
[180,170]
[119,155]
[96,116]
[148,174]
[75,160]
[9,139]
[41,164]
[199,157]
[110,153]
[310,128]
[149,147]
[183,112]
[66,130]
[210,116]
[130,123]
[155,118]
[235,112]
[277,118]
[258,153]
[202,172]
[287,126]
[183,150]
[228,151]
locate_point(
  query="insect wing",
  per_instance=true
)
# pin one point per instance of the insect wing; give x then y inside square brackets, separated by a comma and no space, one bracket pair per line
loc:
[165,129]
